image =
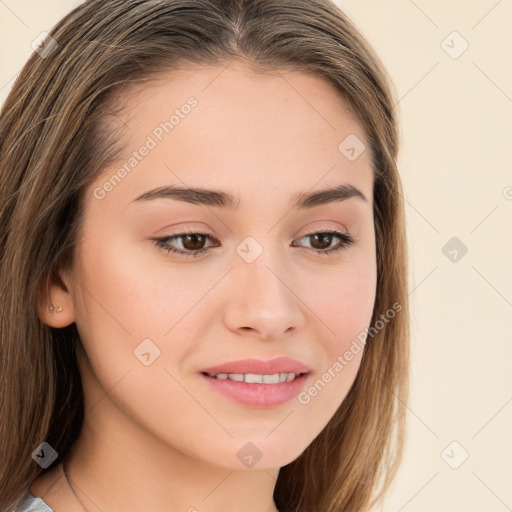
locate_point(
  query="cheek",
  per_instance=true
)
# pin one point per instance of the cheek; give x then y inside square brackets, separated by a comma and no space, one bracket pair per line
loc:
[349,304]
[343,296]
[343,302]
[345,309]
[122,293]
[122,315]
[125,302]
[115,304]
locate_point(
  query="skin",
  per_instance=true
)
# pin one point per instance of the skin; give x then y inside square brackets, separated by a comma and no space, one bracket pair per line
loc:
[158,437]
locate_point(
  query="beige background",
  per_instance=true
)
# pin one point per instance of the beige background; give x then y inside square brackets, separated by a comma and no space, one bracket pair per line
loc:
[456,165]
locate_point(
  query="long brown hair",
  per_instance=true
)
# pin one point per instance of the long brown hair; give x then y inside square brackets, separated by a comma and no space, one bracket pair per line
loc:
[54,142]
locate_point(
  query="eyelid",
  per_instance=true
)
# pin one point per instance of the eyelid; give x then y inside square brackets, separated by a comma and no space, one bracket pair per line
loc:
[325,225]
[331,229]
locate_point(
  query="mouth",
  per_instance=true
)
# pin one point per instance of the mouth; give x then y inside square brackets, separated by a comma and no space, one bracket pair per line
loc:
[257,390]
[256,382]
[257,378]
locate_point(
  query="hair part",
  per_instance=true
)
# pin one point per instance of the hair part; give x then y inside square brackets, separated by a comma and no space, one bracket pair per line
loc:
[57,135]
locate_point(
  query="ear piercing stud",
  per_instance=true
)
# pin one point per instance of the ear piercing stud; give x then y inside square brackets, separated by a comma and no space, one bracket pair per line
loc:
[51,308]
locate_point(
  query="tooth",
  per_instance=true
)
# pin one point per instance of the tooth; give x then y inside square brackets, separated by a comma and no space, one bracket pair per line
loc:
[253,378]
[271,379]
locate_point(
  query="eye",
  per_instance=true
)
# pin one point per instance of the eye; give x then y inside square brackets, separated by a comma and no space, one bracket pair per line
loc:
[322,240]
[193,244]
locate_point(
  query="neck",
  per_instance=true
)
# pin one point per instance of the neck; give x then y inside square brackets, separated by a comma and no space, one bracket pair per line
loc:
[135,471]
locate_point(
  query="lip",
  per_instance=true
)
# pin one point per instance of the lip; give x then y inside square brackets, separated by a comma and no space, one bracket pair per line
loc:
[258,395]
[269,367]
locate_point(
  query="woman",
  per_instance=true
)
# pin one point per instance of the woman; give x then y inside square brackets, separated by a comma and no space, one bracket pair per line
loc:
[203,263]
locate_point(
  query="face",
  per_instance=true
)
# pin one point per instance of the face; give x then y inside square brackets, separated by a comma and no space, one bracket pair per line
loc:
[264,273]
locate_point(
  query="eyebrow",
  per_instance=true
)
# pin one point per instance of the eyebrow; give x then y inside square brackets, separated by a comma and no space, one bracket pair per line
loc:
[221,199]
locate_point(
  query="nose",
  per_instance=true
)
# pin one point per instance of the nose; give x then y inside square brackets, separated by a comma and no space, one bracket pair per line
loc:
[263,303]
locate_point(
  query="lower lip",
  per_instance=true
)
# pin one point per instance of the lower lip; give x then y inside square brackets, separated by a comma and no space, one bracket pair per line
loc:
[258,395]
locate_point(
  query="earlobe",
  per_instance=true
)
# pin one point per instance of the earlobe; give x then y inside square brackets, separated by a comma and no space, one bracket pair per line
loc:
[55,306]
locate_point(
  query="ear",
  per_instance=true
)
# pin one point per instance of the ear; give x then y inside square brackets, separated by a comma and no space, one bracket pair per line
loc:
[55,305]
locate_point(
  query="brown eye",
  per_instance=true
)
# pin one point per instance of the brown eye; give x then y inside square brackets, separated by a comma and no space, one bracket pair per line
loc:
[321,240]
[193,242]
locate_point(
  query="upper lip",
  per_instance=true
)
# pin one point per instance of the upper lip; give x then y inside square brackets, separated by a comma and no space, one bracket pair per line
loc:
[259,367]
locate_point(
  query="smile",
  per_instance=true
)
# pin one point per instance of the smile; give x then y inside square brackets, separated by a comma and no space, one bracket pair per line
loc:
[255,378]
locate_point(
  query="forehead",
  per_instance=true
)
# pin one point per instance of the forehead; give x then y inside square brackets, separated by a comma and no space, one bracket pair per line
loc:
[232,128]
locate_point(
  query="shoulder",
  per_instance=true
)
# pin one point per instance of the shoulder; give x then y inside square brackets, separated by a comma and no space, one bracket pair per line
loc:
[31,503]
[44,485]
[50,492]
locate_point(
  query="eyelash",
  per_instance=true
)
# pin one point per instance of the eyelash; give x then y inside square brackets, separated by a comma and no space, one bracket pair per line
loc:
[346,241]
